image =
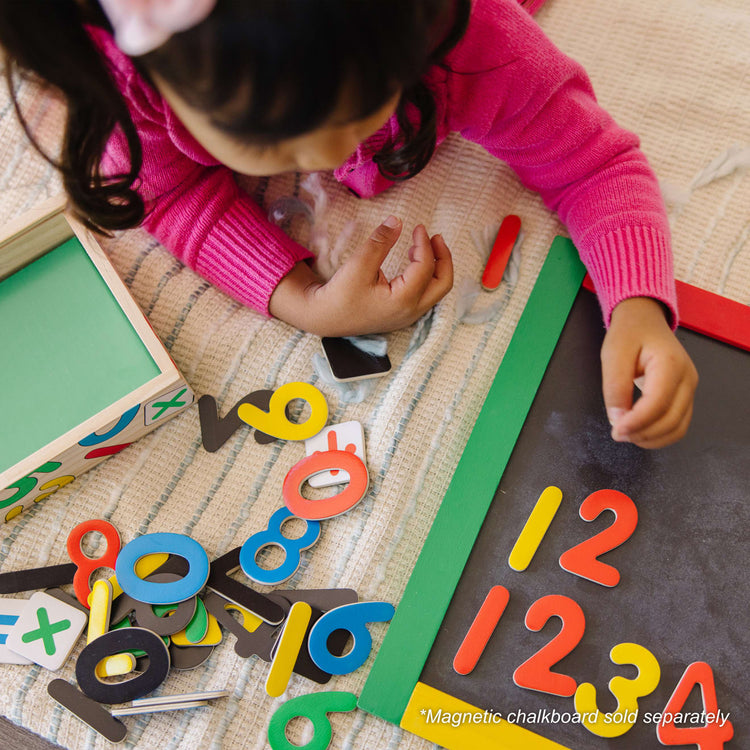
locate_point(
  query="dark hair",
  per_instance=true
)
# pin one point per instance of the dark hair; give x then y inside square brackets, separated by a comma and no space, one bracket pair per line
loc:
[264,70]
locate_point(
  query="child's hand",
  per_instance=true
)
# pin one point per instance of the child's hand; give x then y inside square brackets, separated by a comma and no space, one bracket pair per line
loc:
[358,299]
[640,343]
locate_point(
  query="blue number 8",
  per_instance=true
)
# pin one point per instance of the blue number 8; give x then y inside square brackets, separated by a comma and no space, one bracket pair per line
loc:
[272,536]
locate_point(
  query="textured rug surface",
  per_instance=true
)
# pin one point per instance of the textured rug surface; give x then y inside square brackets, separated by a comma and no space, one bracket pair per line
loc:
[677,73]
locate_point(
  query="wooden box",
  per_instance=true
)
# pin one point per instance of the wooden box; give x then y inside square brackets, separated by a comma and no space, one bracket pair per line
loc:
[83,374]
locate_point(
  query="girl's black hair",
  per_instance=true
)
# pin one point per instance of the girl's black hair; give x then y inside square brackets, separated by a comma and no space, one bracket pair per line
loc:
[47,38]
[264,70]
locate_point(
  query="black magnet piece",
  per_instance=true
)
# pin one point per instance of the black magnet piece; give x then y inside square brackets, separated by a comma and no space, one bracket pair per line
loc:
[87,710]
[115,642]
[219,581]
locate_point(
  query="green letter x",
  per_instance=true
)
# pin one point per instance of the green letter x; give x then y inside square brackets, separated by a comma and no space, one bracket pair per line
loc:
[46,631]
[168,404]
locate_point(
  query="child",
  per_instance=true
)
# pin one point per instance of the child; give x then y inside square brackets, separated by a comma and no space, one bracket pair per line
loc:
[168,97]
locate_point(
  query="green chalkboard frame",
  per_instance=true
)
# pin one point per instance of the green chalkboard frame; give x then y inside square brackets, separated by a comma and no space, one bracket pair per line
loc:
[412,631]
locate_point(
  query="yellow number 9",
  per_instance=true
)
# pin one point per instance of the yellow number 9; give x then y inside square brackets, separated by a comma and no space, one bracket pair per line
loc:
[626,691]
[274,422]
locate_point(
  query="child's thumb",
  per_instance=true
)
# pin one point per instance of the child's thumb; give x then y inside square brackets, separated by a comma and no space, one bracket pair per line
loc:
[618,370]
[380,242]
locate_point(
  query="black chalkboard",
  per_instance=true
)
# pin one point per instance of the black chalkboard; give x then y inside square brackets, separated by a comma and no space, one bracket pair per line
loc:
[685,587]
[684,590]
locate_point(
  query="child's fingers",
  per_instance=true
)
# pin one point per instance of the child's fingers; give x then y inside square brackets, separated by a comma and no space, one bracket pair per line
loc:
[442,273]
[660,435]
[660,426]
[443,260]
[618,372]
[429,275]
[373,252]
[659,415]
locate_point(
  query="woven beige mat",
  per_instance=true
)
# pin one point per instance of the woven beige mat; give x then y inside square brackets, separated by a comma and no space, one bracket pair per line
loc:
[677,72]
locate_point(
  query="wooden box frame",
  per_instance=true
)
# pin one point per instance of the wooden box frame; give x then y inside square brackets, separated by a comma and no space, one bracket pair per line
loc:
[40,474]
[393,690]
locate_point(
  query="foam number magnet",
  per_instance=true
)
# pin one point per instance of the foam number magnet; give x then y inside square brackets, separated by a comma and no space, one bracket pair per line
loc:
[314,707]
[202,630]
[291,640]
[254,636]
[115,642]
[709,736]
[87,565]
[46,631]
[215,430]
[626,691]
[352,618]
[87,710]
[220,581]
[162,593]
[581,560]
[481,629]
[274,421]
[273,536]
[100,604]
[536,672]
[319,510]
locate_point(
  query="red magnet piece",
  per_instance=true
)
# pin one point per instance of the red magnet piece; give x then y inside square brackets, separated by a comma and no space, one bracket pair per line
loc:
[501,250]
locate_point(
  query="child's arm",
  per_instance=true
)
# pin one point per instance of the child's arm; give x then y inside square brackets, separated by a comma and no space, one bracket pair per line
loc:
[195,208]
[358,299]
[510,90]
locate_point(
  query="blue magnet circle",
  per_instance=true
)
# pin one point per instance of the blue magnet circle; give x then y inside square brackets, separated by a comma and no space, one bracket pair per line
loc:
[162,593]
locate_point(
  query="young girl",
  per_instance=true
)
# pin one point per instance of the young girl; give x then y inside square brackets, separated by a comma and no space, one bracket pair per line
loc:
[167,98]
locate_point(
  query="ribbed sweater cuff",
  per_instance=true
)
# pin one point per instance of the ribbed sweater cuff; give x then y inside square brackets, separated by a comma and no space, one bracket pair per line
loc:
[246,256]
[632,262]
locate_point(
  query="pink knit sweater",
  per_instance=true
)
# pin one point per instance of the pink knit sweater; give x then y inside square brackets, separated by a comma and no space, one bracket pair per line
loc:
[504,86]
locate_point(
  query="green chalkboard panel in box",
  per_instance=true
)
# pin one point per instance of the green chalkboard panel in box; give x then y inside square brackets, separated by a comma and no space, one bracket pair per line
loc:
[83,373]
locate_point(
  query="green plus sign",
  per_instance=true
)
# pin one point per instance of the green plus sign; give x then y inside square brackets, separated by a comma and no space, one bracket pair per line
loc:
[168,404]
[46,631]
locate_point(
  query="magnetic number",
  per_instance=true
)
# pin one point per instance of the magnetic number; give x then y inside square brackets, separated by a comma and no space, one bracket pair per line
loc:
[581,559]
[26,484]
[162,593]
[272,536]
[710,736]
[222,583]
[535,529]
[314,707]
[274,421]
[535,673]
[351,617]
[115,642]
[87,565]
[318,510]
[481,629]
[627,692]
[100,603]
